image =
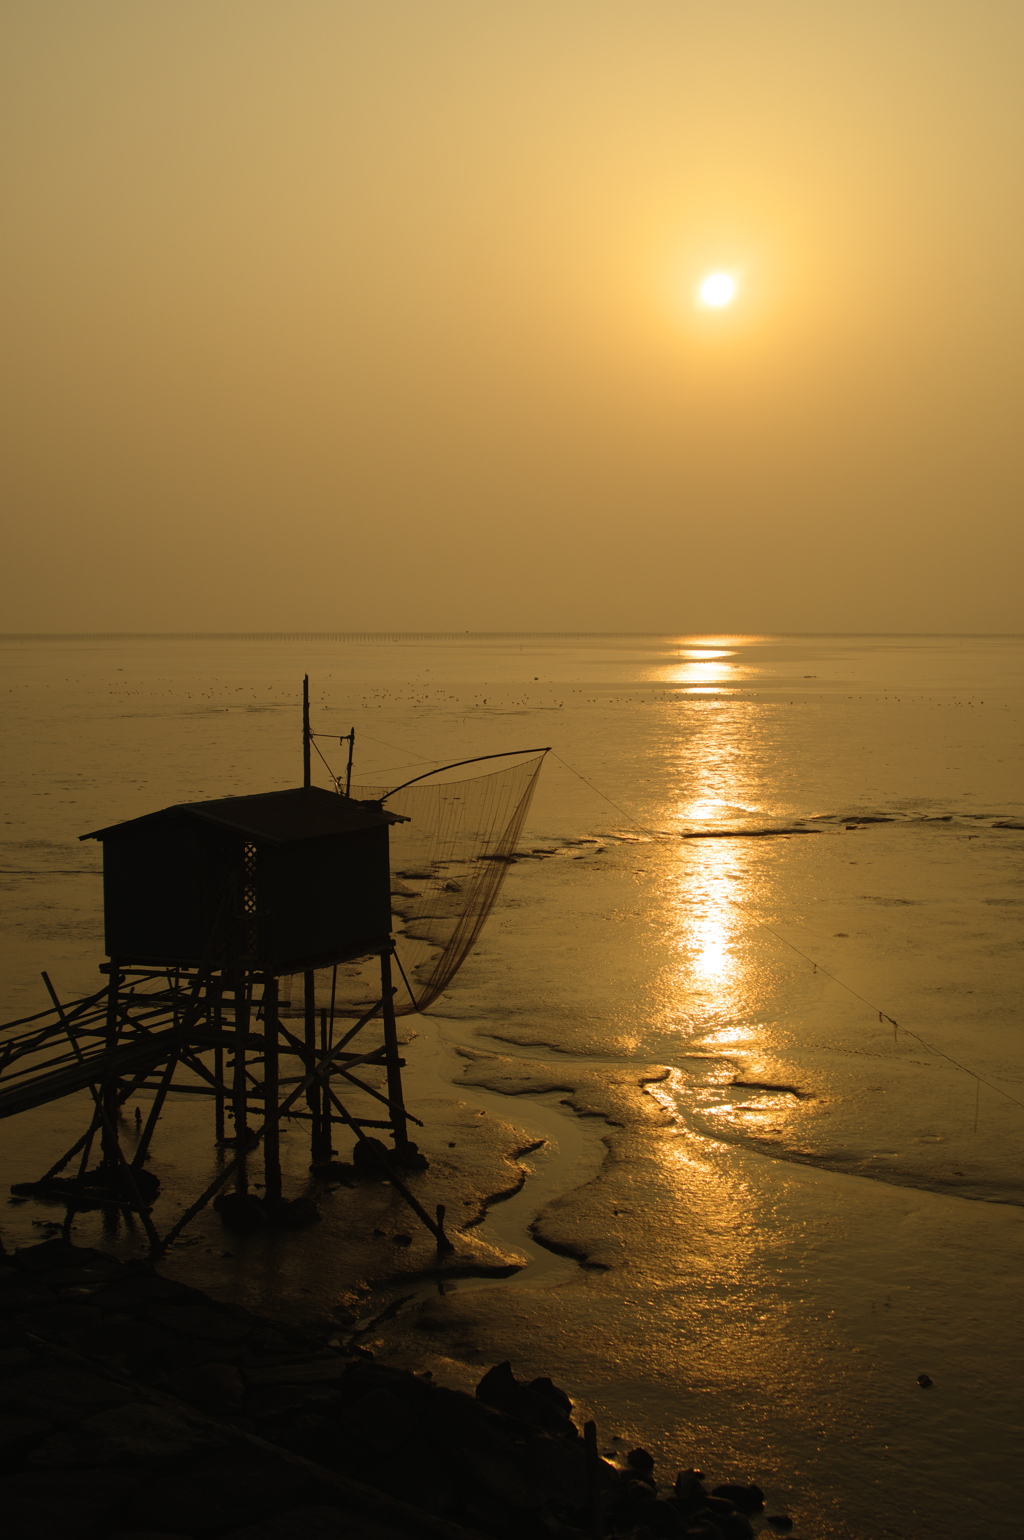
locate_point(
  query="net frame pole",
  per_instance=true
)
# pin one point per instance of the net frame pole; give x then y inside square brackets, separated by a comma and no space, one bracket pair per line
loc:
[476,760]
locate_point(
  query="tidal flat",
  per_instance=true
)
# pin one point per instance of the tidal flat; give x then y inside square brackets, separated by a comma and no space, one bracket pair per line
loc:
[752,1105]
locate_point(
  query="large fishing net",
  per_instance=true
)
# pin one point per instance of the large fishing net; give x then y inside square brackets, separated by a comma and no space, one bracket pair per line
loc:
[448,864]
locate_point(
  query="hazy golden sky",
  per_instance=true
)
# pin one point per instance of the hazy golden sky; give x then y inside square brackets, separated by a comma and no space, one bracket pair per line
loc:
[380,315]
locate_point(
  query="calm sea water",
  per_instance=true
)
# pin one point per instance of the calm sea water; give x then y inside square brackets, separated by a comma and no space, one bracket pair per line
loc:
[873,1170]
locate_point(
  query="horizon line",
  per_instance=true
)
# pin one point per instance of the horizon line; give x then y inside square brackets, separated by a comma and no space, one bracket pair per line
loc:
[454,636]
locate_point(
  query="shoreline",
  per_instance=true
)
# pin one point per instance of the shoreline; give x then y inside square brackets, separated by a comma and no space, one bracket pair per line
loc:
[132,1406]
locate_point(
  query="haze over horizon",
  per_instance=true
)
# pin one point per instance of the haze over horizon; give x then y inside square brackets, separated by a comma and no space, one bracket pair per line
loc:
[326,316]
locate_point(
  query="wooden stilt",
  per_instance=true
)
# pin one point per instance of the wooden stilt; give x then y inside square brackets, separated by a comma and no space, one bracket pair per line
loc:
[130,1036]
[313,1097]
[154,1113]
[388,1170]
[271,1091]
[326,1042]
[322,1133]
[108,1092]
[239,1087]
[217,1022]
[396,1103]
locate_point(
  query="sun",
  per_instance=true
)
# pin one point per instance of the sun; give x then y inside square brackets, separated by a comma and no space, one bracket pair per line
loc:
[716,290]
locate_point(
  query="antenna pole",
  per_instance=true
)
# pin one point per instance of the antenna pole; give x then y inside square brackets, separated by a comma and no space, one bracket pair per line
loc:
[307,769]
[348,771]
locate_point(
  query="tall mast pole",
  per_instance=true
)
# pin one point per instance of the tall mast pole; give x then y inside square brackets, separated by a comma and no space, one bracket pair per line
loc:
[307,768]
[308,978]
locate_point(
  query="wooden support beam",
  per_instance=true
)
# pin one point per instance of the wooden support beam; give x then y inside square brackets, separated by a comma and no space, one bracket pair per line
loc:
[189,1031]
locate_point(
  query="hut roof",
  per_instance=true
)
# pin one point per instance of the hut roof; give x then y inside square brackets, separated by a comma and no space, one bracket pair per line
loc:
[280,817]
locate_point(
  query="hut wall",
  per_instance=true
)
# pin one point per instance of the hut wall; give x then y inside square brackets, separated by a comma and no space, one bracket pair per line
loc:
[164,889]
[322,896]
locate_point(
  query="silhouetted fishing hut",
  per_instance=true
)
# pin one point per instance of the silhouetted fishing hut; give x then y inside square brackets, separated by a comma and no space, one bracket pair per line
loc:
[221,899]
[280,882]
[208,906]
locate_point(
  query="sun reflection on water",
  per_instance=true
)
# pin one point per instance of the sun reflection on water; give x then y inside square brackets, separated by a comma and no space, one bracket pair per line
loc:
[712,882]
[726,1037]
[702,670]
[707,923]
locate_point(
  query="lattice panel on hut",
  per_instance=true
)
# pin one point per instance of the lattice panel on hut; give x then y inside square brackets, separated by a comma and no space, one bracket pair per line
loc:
[448,862]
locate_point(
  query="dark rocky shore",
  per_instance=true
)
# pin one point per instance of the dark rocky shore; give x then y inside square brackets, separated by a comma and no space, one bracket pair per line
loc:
[134,1407]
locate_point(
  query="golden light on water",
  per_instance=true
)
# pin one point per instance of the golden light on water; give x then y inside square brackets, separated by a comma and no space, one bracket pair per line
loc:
[715,972]
[703,808]
[709,918]
[703,669]
[711,880]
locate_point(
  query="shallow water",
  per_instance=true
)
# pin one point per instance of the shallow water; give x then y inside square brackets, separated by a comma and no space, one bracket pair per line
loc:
[830,1205]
